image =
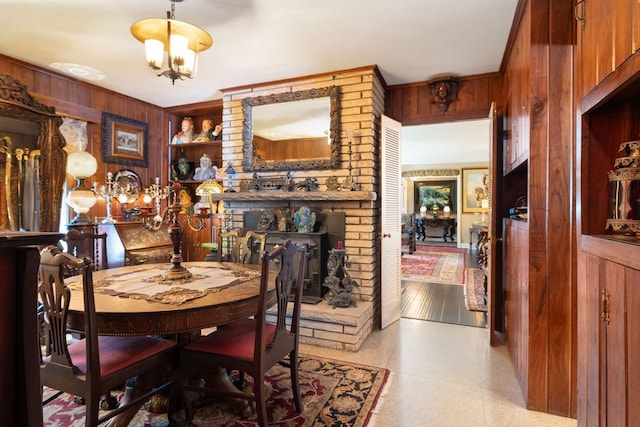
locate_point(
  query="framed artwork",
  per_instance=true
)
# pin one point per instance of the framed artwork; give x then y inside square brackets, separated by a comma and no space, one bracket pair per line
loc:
[438,193]
[124,141]
[474,189]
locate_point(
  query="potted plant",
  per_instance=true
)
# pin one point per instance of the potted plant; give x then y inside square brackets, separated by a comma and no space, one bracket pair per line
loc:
[213,251]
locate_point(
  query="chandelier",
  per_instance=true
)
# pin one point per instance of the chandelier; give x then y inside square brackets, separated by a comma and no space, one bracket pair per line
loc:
[181,41]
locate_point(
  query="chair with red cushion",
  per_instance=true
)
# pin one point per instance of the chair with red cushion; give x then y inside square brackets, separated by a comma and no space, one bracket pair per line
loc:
[92,366]
[253,346]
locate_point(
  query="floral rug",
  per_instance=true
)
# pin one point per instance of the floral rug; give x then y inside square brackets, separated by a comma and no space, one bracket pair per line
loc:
[435,264]
[334,393]
[474,294]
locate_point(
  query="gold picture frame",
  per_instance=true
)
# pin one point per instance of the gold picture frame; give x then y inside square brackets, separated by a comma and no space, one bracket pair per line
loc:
[474,189]
[124,141]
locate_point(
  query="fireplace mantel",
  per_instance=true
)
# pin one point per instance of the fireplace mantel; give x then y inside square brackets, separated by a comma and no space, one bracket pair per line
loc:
[297,195]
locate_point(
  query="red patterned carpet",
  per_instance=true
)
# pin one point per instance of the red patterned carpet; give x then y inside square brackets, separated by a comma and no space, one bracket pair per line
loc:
[335,393]
[435,264]
[474,297]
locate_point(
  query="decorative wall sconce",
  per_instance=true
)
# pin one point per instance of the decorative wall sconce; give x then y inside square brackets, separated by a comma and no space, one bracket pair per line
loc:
[444,91]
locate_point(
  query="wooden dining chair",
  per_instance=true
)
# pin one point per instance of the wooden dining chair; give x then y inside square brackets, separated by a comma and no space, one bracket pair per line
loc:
[254,245]
[228,246]
[252,345]
[241,248]
[93,245]
[95,365]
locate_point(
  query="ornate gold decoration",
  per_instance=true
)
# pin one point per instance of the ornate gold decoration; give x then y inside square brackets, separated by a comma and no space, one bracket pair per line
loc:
[431,172]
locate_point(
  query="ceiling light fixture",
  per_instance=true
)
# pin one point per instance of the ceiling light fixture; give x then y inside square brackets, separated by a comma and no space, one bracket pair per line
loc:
[181,41]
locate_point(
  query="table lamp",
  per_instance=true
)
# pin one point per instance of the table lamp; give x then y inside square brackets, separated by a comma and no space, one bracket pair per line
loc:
[81,165]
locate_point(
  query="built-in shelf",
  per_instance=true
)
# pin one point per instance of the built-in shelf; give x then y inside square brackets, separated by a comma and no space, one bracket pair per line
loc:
[297,195]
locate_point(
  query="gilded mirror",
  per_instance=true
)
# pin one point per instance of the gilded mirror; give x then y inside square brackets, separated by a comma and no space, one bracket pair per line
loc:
[297,130]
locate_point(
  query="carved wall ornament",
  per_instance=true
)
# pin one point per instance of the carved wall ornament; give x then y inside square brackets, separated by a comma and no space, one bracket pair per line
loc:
[444,91]
[431,172]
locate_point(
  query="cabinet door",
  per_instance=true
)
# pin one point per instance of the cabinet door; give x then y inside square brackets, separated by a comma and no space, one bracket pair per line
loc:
[516,285]
[622,345]
[517,117]
[611,344]
[608,36]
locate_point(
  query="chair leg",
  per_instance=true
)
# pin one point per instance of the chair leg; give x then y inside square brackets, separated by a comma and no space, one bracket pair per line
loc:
[295,383]
[92,406]
[261,404]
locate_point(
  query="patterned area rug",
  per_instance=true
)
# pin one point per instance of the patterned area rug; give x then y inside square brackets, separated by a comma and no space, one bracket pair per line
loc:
[334,393]
[434,264]
[474,295]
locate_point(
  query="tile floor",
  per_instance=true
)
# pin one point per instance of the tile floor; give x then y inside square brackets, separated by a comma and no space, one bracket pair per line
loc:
[443,375]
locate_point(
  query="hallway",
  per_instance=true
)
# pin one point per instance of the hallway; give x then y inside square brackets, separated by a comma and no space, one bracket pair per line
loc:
[443,375]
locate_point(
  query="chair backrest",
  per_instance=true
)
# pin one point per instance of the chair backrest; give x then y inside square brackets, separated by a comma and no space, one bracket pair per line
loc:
[93,245]
[228,246]
[243,249]
[286,266]
[56,297]
[254,247]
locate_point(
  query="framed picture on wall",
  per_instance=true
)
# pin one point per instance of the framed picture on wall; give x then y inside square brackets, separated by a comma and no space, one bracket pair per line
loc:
[435,193]
[124,141]
[474,189]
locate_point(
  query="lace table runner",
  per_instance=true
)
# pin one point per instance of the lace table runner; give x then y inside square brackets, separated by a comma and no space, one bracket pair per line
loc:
[147,282]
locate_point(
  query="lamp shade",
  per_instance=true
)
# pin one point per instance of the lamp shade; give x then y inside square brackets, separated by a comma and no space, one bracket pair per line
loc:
[81,164]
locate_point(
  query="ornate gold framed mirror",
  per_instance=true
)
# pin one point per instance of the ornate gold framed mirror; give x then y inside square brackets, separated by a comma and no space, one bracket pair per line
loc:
[298,130]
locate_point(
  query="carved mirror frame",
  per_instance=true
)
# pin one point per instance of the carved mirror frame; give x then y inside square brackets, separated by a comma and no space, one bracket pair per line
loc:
[17,103]
[333,162]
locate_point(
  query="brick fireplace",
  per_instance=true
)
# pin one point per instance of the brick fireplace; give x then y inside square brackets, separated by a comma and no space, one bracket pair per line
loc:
[361,105]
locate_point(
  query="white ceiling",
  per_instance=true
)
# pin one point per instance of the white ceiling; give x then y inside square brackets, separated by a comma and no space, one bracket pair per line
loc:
[258,41]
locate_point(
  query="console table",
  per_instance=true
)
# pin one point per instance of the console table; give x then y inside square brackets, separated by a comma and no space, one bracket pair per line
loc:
[448,226]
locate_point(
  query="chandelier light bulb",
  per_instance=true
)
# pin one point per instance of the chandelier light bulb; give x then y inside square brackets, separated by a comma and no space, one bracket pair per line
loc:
[180,40]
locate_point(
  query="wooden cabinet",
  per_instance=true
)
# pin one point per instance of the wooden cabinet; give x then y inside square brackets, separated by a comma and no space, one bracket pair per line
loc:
[191,153]
[608,36]
[610,345]
[516,282]
[539,315]
[129,243]
[517,98]
[608,272]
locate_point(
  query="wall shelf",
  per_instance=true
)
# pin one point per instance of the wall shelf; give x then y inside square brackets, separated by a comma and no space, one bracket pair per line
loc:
[297,195]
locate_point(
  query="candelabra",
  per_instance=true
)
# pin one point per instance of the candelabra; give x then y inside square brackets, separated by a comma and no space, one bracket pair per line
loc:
[110,190]
[349,183]
[196,221]
[156,193]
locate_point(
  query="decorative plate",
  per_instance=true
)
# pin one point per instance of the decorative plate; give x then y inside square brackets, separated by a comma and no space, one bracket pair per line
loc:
[132,183]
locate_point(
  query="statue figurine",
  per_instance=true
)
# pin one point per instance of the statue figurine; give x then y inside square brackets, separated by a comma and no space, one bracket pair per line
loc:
[206,169]
[185,135]
[305,219]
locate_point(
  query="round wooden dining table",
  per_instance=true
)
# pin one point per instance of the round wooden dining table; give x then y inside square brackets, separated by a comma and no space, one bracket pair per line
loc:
[125,314]
[121,310]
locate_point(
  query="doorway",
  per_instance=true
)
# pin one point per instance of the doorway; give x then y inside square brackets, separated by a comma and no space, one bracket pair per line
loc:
[431,154]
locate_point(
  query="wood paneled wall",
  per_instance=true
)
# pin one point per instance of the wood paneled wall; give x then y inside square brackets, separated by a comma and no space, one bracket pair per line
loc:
[411,104]
[84,101]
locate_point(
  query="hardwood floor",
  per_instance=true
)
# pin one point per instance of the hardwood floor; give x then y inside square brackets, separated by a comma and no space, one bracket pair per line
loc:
[438,302]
